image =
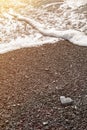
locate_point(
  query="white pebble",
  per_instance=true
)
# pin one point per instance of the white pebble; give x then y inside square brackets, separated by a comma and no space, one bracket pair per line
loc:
[66,100]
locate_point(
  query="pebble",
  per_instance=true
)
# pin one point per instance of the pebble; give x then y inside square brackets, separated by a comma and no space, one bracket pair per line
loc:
[66,100]
[14,105]
[46,69]
[85,96]
[7,121]
[45,123]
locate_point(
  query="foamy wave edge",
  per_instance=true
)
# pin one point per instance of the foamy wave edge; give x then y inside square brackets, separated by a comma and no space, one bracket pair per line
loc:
[73,36]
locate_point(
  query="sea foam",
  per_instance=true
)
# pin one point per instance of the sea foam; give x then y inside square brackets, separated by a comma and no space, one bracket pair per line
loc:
[64,22]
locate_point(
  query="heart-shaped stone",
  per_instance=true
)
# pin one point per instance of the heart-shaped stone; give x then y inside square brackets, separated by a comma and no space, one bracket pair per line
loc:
[66,100]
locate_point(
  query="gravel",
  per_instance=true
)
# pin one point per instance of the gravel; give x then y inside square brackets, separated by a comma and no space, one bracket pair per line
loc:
[32,81]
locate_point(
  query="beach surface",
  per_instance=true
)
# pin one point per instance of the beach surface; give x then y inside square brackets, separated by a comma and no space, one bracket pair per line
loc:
[32,81]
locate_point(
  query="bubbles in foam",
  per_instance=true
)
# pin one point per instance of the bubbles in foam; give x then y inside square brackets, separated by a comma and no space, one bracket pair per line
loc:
[69,22]
[75,3]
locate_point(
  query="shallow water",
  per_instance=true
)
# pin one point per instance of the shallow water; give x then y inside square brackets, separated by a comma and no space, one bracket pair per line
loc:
[55,16]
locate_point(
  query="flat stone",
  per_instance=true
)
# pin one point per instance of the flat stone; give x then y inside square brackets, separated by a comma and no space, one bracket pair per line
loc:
[66,100]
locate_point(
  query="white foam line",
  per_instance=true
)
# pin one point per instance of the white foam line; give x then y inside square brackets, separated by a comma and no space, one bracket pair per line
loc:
[23,43]
[73,36]
[76,37]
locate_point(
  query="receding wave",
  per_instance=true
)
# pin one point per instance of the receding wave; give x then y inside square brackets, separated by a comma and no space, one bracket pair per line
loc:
[51,22]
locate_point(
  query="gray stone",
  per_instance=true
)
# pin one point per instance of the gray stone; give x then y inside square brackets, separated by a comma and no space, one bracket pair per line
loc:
[66,100]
